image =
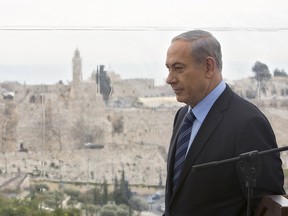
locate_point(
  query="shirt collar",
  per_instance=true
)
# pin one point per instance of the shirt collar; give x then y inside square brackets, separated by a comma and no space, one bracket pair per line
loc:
[202,108]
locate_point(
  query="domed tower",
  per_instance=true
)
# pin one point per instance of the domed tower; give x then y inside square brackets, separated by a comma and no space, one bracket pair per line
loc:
[77,67]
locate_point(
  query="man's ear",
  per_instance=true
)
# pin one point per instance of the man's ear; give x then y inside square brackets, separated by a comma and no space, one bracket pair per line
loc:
[210,66]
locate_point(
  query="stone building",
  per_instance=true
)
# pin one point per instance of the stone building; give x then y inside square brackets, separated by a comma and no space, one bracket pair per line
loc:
[45,116]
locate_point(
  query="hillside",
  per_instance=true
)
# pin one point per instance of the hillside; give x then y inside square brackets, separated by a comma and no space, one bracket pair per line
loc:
[45,128]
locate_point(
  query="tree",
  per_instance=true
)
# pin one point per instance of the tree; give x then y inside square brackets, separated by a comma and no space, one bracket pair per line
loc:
[118,124]
[261,71]
[56,129]
[124,189]
[54,199]
[26,207]
[114,210]
[108,210]
[279,73]
[121,193]
[262,74]
[91,209]
[86,132]
[97,196]
[138,205]
[105,192]
[116,191]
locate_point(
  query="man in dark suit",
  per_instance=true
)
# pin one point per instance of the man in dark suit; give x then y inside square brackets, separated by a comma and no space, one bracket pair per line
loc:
[225,126]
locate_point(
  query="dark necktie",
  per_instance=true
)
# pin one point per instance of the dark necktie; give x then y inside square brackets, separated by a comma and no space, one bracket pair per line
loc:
[182,145]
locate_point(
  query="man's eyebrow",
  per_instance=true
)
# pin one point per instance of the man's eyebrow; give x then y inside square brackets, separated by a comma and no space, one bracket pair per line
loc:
[174,64]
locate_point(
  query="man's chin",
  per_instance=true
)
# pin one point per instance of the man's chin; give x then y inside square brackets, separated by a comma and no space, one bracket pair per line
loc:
[180,99]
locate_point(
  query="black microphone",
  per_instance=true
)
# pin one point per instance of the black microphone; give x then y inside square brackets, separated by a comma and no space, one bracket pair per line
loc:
[248,155]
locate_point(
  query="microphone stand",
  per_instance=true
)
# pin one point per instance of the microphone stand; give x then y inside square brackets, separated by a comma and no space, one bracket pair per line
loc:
[250,165]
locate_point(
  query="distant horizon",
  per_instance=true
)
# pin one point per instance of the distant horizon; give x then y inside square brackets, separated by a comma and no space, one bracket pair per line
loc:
[135,45]
[34,74]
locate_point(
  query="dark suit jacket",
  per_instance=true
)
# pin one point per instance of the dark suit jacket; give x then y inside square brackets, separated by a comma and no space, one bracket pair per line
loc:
[232,126]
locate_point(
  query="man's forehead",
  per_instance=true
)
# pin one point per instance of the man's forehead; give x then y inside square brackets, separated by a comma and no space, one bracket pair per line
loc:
[179,47]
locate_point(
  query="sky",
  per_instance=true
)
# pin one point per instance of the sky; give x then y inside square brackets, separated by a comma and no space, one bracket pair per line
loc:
[130,37]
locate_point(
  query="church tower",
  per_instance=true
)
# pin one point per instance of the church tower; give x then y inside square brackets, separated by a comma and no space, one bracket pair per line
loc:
[77,67]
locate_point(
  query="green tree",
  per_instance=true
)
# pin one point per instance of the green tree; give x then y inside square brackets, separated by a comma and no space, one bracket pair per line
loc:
[97,196]
[67,212]
[279,73]
[26,207]
[262,74]
[116,191]
[105,192]
[261,71]
[108,210]
[138,205]
[124,188]
[122,191]
[54,199]
[91,209]
[122,211]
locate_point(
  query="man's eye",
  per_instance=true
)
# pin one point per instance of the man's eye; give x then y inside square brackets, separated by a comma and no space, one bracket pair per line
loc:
[179,68]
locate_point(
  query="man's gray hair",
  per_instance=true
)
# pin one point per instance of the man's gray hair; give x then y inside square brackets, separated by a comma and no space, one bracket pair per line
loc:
[203,45]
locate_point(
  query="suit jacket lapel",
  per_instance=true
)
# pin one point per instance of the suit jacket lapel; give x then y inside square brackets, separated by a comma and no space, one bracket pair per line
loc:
[177,122]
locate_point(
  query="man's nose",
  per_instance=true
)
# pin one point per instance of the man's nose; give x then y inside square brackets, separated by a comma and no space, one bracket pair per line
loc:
[170,79]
